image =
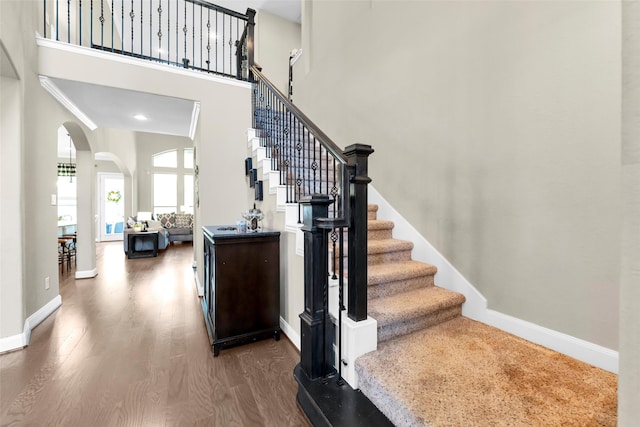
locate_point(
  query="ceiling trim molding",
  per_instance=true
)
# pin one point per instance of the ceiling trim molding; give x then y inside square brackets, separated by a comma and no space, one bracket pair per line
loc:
[51,87]
[194,120]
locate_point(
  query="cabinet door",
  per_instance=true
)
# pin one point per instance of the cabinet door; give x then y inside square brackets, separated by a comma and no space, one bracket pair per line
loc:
[247,287]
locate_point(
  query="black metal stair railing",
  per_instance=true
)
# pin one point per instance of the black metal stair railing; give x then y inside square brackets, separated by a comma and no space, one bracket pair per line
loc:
[193,34]
[331,185]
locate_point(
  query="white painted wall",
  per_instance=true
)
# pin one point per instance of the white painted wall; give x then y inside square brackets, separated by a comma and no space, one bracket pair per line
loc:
[275,39]
[496,127]
[11,241]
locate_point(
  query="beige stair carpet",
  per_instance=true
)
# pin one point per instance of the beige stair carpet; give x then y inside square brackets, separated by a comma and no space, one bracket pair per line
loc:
[436,368]
[465,373]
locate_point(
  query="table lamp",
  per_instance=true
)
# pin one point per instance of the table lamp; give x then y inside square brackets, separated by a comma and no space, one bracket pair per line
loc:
[143,217]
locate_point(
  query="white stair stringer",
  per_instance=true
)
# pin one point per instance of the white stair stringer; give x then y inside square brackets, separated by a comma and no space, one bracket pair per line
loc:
[358,338]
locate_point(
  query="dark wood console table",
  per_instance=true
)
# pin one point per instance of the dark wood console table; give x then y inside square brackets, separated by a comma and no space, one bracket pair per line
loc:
[241,300]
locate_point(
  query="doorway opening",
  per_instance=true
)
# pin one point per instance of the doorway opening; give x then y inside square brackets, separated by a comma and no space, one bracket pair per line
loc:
[111,206]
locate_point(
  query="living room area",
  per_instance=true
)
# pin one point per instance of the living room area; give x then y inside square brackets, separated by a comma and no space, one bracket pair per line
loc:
[158,208]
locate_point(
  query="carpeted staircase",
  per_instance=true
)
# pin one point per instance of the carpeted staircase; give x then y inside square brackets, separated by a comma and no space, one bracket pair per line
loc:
[435,367]
[402,295]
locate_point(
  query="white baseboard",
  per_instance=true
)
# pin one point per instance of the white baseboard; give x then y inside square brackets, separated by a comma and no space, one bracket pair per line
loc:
[15,342]
[476,306]
[577,348]
[199,286]
[86,274]
[293,336]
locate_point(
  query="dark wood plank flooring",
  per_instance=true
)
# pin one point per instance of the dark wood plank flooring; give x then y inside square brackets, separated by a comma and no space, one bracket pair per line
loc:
[130,348]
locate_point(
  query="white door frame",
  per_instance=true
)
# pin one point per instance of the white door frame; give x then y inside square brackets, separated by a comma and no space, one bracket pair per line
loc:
[101,224]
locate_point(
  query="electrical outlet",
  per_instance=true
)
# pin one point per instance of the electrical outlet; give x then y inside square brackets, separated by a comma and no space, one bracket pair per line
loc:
[46,282]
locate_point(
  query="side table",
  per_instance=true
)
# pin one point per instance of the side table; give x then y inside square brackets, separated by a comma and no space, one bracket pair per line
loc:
[142,244]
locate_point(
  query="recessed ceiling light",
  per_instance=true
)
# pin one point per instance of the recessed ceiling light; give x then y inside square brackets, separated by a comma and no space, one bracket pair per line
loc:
[140,117]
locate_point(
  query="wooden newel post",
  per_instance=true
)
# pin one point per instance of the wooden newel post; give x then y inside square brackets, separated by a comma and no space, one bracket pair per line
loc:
[316,352]
[357,155]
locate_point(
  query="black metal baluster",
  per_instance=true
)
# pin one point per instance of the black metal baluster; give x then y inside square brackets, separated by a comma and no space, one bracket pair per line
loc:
[341,306]
[193,33]
[91,25]
[185,30]
[168,32]
[69,21]
[141,28]
[101,24]
[151,29]
[335,191]
[223,45]
[230,45]
[160,30]
[215,44]
[132,15]
[112,32]
[122,26]
[208,40]
[57,22]
[177,31]
[80,20]
[314,165]
[201,37]
[290,165]
[44,19]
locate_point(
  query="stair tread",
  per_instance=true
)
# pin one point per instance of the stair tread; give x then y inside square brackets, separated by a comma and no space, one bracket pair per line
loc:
[411,304]
[400,270]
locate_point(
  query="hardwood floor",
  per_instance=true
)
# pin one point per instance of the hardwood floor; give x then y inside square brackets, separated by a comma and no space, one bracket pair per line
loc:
[130,348]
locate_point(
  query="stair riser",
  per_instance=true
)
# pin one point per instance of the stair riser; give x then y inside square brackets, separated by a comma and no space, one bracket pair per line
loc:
[385,233]
[391,288]
[386,332]
[379,258]
[394,256]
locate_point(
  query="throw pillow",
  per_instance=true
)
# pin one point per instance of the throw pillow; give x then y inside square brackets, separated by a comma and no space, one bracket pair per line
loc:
[168,220]
[184,220]
[131,221]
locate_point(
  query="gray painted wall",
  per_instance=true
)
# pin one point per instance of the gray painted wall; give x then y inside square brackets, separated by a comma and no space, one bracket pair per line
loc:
[629,379]
[496,127]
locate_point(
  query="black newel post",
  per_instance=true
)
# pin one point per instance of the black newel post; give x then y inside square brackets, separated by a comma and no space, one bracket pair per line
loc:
[251,23]
[316,353]
[357,155]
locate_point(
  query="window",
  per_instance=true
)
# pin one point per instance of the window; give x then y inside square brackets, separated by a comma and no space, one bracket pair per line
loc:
[187,207]
[172,184]
[167,159]
[165,192]
[188,158]
[66,200]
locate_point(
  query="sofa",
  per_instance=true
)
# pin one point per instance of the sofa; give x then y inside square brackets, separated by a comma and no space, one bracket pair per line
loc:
[179,227]
[171,227]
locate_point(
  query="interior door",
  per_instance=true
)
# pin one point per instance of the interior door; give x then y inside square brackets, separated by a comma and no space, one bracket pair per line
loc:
[111,206]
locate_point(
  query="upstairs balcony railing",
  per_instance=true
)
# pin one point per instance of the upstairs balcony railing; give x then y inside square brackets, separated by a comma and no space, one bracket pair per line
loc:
[193,34]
